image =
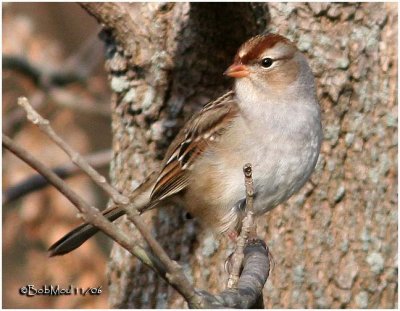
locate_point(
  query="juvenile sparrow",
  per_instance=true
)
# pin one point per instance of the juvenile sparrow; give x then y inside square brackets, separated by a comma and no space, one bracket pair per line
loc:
[271,119]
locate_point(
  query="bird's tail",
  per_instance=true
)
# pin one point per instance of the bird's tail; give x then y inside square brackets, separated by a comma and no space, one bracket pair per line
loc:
[80,234]
[76,237]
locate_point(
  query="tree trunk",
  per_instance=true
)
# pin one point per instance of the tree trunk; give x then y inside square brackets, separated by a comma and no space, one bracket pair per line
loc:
[335,243]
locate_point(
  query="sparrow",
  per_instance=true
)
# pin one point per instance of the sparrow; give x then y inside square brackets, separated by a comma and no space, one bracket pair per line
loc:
[271,119]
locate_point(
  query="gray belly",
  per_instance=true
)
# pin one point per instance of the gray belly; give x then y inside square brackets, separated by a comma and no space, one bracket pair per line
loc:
[286,167]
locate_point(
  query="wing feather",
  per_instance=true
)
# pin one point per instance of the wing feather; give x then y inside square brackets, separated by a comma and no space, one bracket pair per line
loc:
[203,129]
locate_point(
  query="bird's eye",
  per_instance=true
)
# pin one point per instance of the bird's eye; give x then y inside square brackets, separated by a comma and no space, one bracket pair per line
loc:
[267,62]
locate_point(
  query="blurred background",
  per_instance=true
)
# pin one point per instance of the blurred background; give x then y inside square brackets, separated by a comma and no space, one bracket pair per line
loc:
[52,55]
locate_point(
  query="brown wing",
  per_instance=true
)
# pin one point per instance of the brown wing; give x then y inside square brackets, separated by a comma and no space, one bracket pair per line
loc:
[203,128]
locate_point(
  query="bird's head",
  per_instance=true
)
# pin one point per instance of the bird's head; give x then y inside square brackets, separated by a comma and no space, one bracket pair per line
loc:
[267,64]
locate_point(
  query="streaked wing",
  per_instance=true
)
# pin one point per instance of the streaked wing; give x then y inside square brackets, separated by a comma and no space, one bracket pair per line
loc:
[203,129]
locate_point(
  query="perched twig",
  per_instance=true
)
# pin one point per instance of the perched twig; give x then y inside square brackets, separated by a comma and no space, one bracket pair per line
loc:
[248,181]
[248,226]
[37,181]
[248,292]
[45,126]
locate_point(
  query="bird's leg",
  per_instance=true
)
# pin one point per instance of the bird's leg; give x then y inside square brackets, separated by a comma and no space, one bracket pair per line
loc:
[232,235]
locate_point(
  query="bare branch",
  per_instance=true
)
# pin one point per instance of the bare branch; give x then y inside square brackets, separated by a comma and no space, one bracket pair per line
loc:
[45,127]
[37,181]
[248,225]
[87,212]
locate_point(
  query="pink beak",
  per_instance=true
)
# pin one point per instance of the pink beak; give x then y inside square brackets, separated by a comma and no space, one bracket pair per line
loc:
[237,71]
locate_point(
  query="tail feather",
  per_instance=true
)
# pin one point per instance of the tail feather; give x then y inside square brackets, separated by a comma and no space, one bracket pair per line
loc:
[76,237]
[81,234]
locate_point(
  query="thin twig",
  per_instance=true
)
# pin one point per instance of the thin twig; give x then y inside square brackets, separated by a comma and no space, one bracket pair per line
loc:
[248,226]
[45,127]
[89,213]
[37,182]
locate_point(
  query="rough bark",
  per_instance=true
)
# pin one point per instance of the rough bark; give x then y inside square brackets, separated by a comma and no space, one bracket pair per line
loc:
[335,243]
